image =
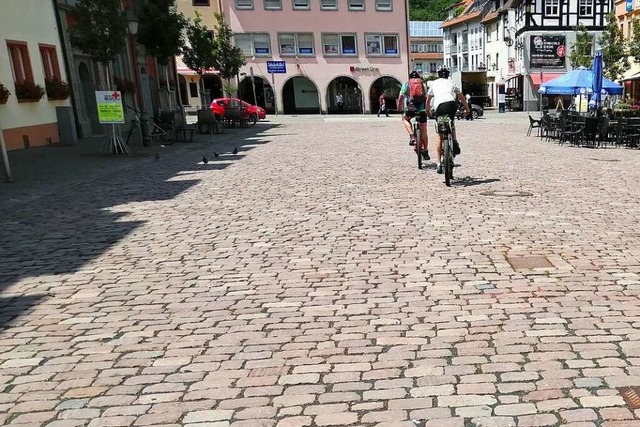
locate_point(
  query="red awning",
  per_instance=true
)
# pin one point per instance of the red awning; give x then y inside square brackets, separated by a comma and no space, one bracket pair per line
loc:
[535,77]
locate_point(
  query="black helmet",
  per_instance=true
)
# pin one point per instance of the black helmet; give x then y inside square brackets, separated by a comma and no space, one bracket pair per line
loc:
[414,75]
[443,72]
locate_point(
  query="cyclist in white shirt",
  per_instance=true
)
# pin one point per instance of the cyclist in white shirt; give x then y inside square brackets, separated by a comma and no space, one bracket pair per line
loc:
[441,98]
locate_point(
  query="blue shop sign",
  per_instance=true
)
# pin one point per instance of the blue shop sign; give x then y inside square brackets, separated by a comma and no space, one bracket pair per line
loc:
[276,67]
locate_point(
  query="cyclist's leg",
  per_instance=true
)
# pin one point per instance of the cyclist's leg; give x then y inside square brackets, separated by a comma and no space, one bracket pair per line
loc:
[406,121]
[422,120]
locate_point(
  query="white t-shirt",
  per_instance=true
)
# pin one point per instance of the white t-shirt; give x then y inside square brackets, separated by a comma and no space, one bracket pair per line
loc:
[441,90]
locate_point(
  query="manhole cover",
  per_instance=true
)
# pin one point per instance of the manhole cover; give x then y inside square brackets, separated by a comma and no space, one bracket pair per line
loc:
[506,193]
[632,396]
[528,262]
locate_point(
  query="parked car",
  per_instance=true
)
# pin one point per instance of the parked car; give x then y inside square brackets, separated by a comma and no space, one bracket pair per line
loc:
[251,113]
[476,111]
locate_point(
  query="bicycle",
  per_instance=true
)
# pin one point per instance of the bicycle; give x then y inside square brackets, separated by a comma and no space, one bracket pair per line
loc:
[157,134]
[444,127]
[417,137]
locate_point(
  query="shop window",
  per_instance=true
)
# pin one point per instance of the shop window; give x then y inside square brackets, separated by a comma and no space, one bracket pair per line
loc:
[296,44]
[244,4]
[384,5]
[50,64]
[384,44]
[272,4]
[329,4]
[253,44]
[339,44]
[20,63]
[356,4]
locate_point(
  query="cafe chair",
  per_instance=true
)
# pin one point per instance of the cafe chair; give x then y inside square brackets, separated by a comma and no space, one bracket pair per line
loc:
[534,124]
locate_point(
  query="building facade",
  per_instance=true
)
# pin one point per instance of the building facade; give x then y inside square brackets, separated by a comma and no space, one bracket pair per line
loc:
[426,52]
[626,12]
[189,80]
[31,54]
[354,50]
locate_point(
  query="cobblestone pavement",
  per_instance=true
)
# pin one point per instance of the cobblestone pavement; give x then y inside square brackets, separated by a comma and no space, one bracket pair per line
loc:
[318,278]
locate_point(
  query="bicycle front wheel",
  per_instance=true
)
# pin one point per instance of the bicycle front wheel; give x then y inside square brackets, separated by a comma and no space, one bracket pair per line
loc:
[448,160]
[172,134]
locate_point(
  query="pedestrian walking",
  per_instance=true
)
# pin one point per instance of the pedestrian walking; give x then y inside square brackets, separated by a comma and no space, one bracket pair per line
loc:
[383,105]
[339,101]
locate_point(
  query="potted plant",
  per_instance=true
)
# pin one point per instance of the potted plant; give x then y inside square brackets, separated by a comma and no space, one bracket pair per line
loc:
[28,91]
[56,89]
[125,86]
[4,94]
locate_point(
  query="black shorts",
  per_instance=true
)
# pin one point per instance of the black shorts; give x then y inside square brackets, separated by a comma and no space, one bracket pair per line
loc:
[448,108]
[411,111]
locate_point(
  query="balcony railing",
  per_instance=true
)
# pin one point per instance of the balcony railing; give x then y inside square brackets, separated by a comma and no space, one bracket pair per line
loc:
[465,47]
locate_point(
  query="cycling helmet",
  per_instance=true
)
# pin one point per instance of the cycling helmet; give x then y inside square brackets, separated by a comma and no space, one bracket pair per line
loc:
[443,72]
[414,75]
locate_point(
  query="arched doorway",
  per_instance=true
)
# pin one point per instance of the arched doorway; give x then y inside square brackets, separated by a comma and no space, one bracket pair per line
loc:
[300,96]
[184,97]
[390,86]
[89,98]
[264,93]
[212,87]
[351,95]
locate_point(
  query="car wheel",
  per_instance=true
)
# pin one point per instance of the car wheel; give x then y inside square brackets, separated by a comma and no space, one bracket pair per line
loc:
[474,114]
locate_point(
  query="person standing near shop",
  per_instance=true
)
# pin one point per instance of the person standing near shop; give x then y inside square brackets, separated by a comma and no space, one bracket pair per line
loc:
[339,101]
[383,105]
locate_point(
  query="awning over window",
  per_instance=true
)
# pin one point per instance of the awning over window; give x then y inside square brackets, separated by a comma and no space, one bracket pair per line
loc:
[185,71]
[535,77]
[635,76]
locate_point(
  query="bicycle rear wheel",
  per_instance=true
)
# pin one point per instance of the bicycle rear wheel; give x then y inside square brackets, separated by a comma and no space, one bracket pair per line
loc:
[448,160]
[418,146]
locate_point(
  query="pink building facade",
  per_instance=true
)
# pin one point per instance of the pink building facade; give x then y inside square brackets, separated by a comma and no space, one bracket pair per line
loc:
[354,50]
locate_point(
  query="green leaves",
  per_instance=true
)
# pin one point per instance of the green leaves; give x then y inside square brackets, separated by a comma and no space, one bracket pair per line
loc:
[198,53]
[161,29]
[580,55]
[227,58]
[634,43]
[429,10]
[614,49]
[100,28]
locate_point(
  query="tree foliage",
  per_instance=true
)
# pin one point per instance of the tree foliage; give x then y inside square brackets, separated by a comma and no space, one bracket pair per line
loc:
[614,49]
[100,28]
[227,58]
[429,10]
[580,55]
[161,29]
[197,54]
[634,42]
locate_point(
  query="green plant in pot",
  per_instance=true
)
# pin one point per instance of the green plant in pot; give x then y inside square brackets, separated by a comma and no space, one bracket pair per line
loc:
[27,90]
[56,88]
[4,94]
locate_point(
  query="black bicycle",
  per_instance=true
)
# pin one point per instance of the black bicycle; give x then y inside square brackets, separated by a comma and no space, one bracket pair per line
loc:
[163,134]
[417,137]
[444,127]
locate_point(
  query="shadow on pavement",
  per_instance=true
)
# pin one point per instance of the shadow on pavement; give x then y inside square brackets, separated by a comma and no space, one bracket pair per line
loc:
[58,230]
[468,181]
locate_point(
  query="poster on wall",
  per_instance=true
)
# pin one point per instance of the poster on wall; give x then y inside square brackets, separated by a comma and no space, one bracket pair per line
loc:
[548,51]
[374,43]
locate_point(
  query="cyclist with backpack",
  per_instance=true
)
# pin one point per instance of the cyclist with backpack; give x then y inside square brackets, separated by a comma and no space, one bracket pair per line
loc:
[414,92]
[442,97]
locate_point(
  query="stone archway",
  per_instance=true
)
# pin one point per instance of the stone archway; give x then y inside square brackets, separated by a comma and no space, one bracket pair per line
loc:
[300,96]
[264,93]
[351,95]
[390,86]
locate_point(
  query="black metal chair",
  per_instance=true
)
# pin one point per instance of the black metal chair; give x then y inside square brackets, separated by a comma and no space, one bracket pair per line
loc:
[590,132]
[534,124]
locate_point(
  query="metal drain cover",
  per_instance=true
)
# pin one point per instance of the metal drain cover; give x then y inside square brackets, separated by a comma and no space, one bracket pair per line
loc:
[631,395]
[529,262]
[506,193]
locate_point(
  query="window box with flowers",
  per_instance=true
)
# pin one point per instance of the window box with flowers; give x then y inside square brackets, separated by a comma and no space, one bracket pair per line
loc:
[28,91]
[57,89]
[125,86]
[4,94]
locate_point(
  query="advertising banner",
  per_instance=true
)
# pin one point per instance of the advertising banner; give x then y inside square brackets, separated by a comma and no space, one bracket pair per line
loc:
[110,108]
[548,51]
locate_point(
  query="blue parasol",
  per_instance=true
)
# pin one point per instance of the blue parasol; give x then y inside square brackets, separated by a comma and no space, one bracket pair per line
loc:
[576,82]
[596,98]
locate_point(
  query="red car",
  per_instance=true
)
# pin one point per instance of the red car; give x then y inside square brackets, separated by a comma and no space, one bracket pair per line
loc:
[251,113]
